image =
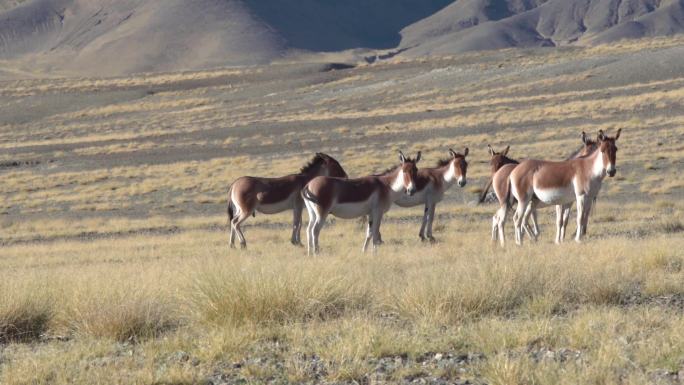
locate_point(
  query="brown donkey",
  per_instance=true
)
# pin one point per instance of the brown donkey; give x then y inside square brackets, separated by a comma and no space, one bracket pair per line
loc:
[371,195]
[431,184]
[502,166]
[274,195]
[535,182]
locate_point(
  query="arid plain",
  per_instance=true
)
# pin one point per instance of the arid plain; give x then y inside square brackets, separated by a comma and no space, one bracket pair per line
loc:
[113,244]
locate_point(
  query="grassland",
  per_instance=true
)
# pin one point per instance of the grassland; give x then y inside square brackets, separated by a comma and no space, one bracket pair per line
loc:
[114,259]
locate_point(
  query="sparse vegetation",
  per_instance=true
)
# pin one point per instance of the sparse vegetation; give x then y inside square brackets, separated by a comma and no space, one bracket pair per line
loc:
[113,245]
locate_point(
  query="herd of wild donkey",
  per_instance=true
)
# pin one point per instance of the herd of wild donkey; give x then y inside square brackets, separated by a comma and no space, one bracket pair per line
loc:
[322,185]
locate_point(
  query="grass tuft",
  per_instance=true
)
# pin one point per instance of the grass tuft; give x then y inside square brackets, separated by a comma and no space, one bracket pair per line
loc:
[121,315]
[25,314]
[276,294]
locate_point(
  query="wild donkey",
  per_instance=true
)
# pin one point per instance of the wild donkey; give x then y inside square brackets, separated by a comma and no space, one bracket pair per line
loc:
[371,195]
[560,183]
[431,184]
[502,166]
[274,195]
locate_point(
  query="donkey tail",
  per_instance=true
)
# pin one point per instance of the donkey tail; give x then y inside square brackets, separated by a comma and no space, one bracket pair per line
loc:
[483,195]
[308,195]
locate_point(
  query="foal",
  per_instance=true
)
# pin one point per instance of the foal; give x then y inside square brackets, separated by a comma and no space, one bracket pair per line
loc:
[371,195]
[274,195]
[560,183]
[431,184]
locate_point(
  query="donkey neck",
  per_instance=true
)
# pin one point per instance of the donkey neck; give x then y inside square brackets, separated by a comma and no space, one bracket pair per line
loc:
[448,173]
[393,180]
[506,160]
[594,165]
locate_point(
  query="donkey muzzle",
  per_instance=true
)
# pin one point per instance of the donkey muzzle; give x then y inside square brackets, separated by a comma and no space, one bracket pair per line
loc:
[461,182]
[612,172]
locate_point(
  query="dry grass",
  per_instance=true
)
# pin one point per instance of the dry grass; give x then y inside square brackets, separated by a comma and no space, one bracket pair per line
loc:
[188,293]
[120,272]
[25,312]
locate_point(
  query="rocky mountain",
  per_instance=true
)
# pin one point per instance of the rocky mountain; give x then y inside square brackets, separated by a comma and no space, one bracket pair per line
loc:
[468,25]
[113,37]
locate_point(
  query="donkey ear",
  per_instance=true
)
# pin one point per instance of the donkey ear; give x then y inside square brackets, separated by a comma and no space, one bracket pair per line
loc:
[418,157]
[601,136]
[491,150]
[452,153]
[465,152]
[584,137]
[617,135]
[505,152]
[402,158]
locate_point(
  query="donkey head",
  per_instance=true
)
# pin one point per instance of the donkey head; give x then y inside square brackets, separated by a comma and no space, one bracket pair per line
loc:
[408,172]
[499,158]
[333,167]
[459,166]
[589,145]
[609,151]
[323,165]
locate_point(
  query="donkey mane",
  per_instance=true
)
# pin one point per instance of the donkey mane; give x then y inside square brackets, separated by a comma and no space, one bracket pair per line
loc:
[388,171]
[508,160]
[316,161]
[443,162]
[396,166]
[575,153]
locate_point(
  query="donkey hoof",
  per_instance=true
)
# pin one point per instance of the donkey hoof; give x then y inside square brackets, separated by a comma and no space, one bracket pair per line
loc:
[432,239]
[243,245]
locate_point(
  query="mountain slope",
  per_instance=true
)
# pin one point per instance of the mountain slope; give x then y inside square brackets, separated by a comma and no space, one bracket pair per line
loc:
[470,25]
[124,36]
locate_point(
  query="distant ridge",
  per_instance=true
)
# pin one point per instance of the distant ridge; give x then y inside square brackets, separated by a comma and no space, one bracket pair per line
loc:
[123,36]
[468,25]
[116,37]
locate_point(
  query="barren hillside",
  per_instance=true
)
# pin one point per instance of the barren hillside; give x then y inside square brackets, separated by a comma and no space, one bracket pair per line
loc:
[468,25]
[116,37]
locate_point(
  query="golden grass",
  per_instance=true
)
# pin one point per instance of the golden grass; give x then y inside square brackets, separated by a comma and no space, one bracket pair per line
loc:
[188,292]
[123,275]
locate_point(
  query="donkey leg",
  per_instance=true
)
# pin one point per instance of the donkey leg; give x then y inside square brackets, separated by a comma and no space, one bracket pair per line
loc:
[237,221]
[495,225]
[585,219]
[587,212]
[320,221]
[501,217]
[519,220]
[369,234]
[309,228]
[233,234]
[559,223]
[423,224]
[580,217]
[375,229]
[297,223]
[526,221]
[535,225]
[566,220]
[430,219]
